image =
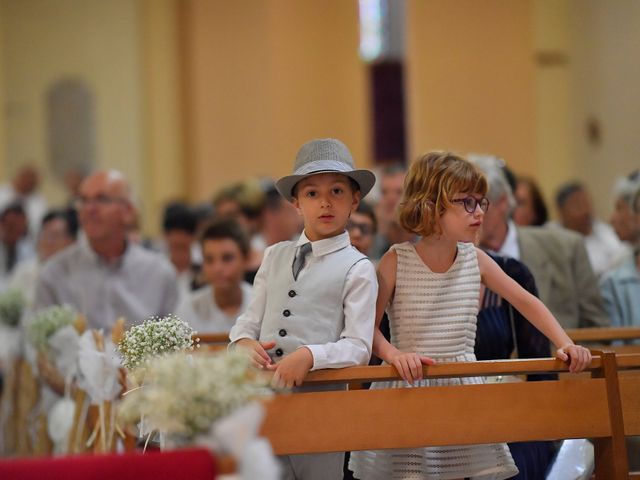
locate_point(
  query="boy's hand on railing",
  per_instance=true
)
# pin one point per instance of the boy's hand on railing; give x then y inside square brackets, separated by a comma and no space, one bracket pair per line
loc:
[292,369]
[409,365]
[576,356]
[257,351]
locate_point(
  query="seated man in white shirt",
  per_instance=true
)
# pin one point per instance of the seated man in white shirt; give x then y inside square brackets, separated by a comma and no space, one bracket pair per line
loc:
[215,307]
[576,213]
[104,276]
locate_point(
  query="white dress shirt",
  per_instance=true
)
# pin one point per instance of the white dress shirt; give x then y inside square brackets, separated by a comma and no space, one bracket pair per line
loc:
[200,310]
[359,302]
[604,248]
[140,284]
[510,247]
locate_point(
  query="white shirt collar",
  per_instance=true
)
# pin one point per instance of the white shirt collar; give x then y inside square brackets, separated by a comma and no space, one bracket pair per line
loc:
[510,247]
[326,245]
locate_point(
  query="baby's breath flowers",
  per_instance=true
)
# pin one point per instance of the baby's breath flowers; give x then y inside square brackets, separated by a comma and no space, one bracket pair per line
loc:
[184,394]
[47,322]
[154,337]
[12,304]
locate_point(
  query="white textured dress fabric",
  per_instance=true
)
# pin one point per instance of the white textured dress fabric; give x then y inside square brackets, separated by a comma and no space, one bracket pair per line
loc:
[435,314]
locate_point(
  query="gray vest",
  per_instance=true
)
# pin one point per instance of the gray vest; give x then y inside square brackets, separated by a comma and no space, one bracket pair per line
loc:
[307,311]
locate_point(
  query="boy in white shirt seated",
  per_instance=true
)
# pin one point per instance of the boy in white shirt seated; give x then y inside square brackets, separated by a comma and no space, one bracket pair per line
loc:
[215,307]
[314,299]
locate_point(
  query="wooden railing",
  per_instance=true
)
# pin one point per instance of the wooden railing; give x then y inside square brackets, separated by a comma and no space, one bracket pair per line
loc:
[599,335]
[598,406]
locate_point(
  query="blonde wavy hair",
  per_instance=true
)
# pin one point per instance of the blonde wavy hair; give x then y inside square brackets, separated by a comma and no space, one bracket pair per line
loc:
[429,187]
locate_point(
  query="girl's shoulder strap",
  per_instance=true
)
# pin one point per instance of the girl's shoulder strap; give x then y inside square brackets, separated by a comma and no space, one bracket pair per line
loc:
[467,249]
[401,247]
[403,251]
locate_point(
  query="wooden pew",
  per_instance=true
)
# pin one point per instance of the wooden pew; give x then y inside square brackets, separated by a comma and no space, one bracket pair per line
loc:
[458,415]
[604,336]
[212,341]
[629,376]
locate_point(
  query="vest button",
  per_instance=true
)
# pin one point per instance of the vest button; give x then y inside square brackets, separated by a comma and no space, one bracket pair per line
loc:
[286,313]
[279,352]
[292,293]
[283,332]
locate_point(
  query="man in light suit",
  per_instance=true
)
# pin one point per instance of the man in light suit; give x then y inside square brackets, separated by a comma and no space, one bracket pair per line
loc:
[557,259]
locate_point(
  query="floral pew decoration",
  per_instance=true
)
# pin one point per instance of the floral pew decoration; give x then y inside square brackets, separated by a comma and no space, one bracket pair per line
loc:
[99,384]
[206,400]
[154,337]
[12,305]
[53,336]
[141,344]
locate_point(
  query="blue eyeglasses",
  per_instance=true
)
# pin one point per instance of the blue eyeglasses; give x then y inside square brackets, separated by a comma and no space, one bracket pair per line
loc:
[471,203]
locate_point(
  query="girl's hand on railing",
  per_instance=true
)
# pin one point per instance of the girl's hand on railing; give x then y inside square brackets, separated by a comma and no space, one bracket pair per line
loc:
[409,365]
[577,356]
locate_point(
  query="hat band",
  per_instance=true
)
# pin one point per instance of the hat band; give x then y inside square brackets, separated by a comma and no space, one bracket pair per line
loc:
[323,165]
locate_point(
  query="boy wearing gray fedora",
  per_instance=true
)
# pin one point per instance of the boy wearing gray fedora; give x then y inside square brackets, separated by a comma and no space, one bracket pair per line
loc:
[313,303]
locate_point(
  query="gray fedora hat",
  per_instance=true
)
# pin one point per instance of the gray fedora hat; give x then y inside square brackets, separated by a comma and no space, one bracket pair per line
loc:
[326,155]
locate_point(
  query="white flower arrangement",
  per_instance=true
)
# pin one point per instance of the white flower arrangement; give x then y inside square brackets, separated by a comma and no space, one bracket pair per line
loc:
[184,394]
[12,303]
[47,322]
[154,337]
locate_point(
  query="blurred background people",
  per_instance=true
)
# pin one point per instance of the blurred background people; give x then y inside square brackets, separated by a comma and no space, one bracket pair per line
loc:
[280,219]
[244,201]
[624,220]
[391,183]
[16,245]
[23,188]
[621,286]
[104,276]
[530,209]
[362,227]
[557,258]
[215,307]
[576,213]
[179,227]
[59,230]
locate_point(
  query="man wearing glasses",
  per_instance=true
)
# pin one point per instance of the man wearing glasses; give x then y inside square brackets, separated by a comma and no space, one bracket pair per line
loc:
[557,259]
[104,276]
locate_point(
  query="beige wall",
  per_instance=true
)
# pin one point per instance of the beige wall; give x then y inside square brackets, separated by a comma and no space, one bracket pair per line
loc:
[163,159]
[263,77]
[2,105]
[192,94]
[556,160]
[605,67]
[470,79]
[93,40]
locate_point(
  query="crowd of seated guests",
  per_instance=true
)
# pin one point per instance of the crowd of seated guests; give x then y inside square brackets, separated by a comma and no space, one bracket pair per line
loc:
[586,271]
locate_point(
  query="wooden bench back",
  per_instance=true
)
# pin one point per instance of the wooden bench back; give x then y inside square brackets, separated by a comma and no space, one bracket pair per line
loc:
[629,366]
[602,337]
[212,341]
[579,407]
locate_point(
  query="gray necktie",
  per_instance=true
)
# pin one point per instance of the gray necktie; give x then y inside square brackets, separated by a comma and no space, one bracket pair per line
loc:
[299,261]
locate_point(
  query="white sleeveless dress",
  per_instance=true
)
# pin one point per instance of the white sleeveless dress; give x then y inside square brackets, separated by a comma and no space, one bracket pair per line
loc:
[435,314]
